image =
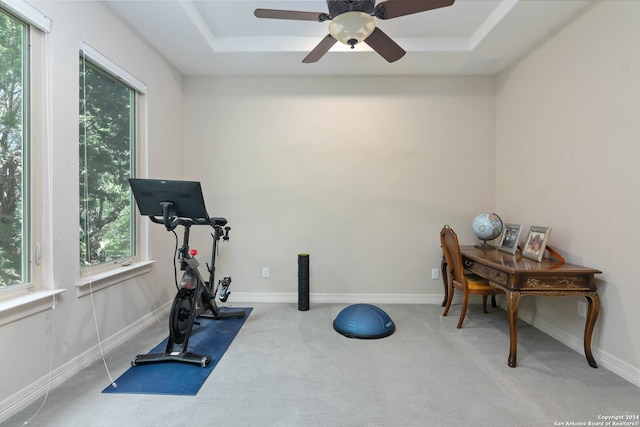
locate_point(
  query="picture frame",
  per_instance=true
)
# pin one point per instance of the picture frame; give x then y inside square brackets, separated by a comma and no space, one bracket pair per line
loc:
[536,243]
[510,238]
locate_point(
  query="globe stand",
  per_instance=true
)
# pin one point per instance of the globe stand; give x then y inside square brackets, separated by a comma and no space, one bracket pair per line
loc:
[484,245]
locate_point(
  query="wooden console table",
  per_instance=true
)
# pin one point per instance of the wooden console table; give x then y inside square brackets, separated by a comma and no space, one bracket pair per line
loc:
[519,276]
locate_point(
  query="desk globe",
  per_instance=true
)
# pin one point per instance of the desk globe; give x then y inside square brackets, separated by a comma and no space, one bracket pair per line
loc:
[487,226]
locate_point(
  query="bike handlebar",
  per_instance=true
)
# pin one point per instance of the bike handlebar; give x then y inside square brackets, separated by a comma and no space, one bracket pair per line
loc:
[172,222]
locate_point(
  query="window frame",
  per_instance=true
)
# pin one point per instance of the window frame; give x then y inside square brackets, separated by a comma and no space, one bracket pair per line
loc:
[25,299]
[33,91]
[103,275]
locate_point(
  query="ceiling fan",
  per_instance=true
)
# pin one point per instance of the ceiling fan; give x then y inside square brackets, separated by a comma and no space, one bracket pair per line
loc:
[352,22]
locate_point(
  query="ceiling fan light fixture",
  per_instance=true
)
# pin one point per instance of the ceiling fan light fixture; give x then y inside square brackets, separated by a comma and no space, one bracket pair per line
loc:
[351,28]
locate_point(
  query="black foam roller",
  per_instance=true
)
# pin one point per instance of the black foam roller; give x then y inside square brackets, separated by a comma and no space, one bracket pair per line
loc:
[303,282]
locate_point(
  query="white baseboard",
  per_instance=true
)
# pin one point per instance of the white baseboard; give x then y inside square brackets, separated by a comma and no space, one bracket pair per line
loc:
[23,398]
[603,359]
[321,298]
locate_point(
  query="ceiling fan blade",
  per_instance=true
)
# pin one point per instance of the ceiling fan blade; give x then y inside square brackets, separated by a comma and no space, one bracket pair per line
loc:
[394,8]
[319,51]
[291,14]
[382,43]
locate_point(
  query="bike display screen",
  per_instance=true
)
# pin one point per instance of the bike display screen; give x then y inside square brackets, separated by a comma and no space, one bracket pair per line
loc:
[185,197]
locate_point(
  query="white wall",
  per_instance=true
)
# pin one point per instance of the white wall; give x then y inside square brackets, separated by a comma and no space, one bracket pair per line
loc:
[27,343]
[359,172]
[568,145]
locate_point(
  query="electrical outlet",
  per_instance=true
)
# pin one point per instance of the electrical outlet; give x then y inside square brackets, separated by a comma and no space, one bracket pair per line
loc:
[582,309]
[435,273]
[265,272]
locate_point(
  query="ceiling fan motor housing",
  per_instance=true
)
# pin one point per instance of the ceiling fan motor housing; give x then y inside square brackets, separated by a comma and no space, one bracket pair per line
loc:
[337,7]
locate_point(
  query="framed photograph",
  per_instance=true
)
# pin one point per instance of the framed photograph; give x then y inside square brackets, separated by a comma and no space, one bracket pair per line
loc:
[510,238]
[536,243]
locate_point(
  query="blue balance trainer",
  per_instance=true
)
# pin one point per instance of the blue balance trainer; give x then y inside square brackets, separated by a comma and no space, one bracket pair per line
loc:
[364,321]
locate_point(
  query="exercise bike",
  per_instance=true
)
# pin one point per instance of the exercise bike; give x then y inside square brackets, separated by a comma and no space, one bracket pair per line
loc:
[182,205]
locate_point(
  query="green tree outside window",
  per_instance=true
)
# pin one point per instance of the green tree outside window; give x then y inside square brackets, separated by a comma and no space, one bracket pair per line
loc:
[107,141]
[13,34]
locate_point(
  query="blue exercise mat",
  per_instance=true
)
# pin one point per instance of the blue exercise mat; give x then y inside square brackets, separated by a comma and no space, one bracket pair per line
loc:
[211,337]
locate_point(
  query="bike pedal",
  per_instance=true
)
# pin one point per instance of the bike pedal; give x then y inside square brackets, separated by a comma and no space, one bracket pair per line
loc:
[224,288]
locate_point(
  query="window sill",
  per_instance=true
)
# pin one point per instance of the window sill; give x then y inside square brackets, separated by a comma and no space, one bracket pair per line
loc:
[112,277]
[27,305]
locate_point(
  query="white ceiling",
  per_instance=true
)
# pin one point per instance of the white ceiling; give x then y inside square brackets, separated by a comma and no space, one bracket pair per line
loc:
[223,37]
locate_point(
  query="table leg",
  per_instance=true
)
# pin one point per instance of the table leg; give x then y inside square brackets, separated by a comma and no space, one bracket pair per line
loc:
[592,316]
[444,268]
[513,300]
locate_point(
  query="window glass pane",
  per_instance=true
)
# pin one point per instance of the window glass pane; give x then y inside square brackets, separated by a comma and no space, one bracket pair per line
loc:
[13,153]
[107,141]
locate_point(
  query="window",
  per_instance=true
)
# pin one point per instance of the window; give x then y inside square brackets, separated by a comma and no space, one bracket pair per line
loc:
[107,161]
[14,152]
[23,130]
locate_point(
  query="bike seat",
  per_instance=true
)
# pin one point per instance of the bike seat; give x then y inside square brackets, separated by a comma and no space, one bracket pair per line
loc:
[218,220]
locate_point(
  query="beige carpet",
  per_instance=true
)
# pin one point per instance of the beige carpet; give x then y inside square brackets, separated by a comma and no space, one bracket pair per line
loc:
[290,368]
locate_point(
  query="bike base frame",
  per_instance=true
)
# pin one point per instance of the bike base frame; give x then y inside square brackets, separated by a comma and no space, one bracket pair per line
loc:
[175,356]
